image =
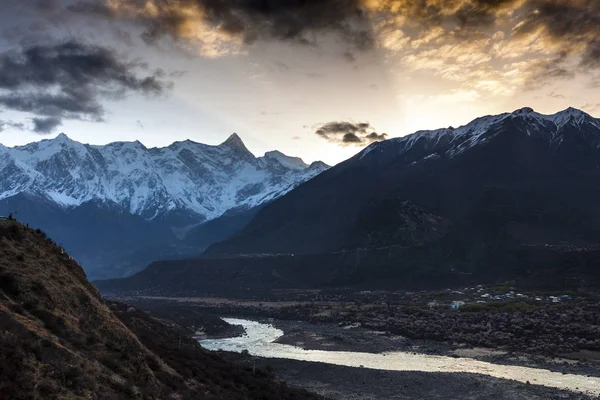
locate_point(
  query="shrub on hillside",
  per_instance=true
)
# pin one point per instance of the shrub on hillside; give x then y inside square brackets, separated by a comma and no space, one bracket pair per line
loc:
[11,231]
[498,307]
[9,285]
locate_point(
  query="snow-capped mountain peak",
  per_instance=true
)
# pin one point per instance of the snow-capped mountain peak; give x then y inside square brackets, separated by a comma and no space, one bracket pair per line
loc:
[571,114]
[319,165]
[453,141]
[523,111]
[234,142]
[185,177]
[294,163]
[559,119]
[61,137]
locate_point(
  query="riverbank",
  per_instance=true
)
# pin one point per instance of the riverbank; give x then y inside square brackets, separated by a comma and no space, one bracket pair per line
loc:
[354,338]
[343,382]
[346,383]
[260,341]
[320,329]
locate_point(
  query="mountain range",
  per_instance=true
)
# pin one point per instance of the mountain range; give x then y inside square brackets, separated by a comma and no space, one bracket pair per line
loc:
[120,206]
[525,175]
[510,196]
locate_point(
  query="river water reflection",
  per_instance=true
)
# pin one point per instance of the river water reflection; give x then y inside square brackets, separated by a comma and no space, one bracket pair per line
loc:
[259,341]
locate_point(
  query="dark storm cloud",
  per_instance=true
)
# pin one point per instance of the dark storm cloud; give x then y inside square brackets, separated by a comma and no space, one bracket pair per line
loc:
[70,104]
[351,138]
[591,55]
[374,137]
[47,5]
[569,24]
[46,125]
[68,80]
[291,20]
[465,13]
[349,133]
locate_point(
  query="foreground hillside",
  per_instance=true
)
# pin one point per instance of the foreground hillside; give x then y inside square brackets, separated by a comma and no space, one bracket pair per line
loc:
[59,340]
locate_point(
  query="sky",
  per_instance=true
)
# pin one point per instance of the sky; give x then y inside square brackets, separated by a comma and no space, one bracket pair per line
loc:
[318,79]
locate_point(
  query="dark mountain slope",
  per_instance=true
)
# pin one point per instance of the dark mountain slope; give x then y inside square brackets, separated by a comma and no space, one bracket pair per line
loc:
[218,229]
[123,243]
[113,233]
[509,197]
[59,340]
[519,178]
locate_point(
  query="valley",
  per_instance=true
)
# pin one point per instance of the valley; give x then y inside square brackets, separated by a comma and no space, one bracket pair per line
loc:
[300,200]
[519,324]
[451,243]
[485,278]
[328,339]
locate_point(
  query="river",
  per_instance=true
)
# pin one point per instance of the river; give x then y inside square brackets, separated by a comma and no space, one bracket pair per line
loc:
[259,340]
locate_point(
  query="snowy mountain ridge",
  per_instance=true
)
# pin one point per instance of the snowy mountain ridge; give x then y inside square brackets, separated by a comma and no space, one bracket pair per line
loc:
[453,141]
[196,179]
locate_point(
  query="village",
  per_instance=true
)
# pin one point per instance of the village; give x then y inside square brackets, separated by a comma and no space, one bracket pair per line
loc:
[447,298]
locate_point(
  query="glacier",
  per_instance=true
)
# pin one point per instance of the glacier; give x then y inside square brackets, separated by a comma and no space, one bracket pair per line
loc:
[199,180]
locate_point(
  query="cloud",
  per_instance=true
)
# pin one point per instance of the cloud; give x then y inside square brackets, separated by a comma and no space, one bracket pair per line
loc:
[281,66]
[571,25]
[68,81]
[349,133]
[375,137]
[47,5]
[591,107]
[555,95]
[4,125]
[223,26]
[349,57]
[224,23]
[499,46]
[177,74]
[46,125]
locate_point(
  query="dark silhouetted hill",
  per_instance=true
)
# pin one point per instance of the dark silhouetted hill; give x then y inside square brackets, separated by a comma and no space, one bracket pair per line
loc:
[59,340]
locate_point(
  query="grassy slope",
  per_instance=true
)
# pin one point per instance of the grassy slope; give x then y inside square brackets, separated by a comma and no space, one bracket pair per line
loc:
[59,340]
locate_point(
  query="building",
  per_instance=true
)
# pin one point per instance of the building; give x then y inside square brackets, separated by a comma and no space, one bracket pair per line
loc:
[457,304]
